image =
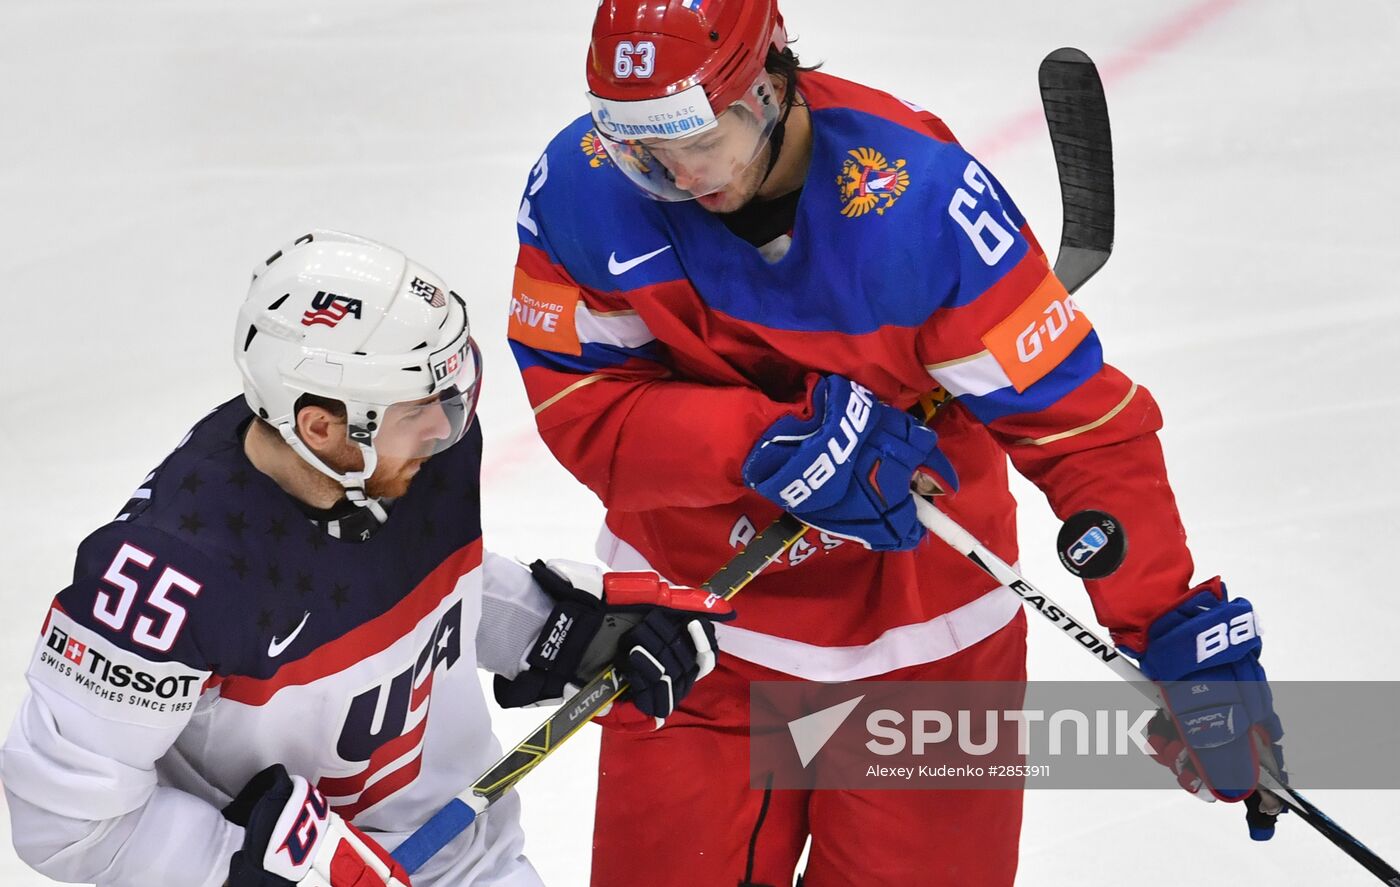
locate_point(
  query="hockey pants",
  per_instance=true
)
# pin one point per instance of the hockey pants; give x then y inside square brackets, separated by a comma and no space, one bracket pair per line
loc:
[675,806]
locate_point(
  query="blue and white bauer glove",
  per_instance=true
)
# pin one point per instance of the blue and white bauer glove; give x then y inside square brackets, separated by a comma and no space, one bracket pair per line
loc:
[846,468]
[1204,655]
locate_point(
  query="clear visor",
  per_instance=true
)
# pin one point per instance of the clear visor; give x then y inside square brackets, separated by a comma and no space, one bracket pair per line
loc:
[419,429]
[693,162]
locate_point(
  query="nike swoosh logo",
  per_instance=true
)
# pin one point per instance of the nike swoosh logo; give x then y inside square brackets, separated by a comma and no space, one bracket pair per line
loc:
[617,267]
[275,648]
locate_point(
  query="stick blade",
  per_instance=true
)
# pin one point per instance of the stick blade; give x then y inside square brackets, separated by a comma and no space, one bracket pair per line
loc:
[1077,115]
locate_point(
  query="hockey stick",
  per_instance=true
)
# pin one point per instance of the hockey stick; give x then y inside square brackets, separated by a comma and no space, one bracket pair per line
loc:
[577,710]
[965,543]
[1077,115]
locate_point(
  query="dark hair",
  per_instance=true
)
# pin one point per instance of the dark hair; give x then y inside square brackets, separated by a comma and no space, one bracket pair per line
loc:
[787,65]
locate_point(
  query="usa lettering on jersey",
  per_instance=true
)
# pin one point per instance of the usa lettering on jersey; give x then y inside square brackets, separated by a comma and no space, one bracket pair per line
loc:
[388,721]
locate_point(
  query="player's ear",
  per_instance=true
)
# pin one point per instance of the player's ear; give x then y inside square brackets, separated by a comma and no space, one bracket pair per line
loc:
[319,428]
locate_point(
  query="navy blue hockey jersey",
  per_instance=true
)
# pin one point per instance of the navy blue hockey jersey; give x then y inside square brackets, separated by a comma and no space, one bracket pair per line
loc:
[212,630]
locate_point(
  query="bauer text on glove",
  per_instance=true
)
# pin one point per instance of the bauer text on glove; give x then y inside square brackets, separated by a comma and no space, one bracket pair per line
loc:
[1220,711]
[847,467]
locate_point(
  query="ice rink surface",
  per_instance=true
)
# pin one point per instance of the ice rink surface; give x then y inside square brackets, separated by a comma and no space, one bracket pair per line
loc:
[151,151]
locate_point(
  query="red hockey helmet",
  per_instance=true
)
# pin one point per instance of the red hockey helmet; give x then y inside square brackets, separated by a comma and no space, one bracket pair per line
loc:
[661,76]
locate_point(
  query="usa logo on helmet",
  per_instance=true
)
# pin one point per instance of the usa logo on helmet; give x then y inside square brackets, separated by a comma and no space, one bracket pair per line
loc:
[328,309]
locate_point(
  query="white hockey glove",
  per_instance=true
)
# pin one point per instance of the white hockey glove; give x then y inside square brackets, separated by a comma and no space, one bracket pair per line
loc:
[291,836]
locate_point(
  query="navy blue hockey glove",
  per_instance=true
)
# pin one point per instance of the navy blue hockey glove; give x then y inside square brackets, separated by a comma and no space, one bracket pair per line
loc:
[660,638]
[1220,711]
[292,837]
[847,469]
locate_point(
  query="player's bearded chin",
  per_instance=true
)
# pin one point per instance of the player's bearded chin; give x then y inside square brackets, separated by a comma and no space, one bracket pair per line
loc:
[743,188]
[392,474]
[391,478]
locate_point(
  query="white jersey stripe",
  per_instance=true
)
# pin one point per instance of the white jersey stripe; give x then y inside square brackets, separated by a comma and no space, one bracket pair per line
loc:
[973,376]
[625,329]
[899,647]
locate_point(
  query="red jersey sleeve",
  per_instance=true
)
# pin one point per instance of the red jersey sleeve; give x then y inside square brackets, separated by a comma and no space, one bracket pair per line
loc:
[1020,355]
[606,404]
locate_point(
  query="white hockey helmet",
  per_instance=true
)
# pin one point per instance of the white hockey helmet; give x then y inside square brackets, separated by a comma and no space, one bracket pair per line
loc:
[346,318]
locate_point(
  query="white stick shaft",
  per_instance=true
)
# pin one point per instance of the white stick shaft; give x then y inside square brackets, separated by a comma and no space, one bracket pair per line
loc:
[951,532]
[947,529]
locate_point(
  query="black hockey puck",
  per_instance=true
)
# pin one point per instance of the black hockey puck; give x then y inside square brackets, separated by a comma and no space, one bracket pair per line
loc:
[1092,544]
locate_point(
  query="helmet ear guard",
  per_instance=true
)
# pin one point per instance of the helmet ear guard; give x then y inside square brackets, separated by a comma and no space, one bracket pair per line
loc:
[346,318]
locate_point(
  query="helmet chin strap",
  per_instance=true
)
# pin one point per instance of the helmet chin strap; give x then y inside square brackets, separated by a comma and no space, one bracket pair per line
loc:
[353,482]
[775,140]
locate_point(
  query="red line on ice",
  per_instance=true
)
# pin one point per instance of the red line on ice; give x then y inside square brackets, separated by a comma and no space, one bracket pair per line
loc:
[1164,36]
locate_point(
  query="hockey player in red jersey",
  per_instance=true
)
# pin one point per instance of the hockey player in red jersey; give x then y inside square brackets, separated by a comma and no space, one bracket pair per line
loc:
[735,278]
[264,670]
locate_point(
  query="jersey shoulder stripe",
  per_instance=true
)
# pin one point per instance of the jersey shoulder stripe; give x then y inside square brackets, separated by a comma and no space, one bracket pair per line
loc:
[1079,365]
[364,640]
[592,358]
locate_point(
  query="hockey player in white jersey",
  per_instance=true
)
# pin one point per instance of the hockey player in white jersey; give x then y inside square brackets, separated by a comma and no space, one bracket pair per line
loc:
[276,637]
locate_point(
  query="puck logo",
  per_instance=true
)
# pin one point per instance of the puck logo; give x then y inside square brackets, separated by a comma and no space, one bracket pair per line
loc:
[837,451]
[1088,545]
[1092,544]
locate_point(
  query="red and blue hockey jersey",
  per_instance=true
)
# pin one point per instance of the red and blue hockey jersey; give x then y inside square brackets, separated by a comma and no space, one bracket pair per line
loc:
[656,346]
